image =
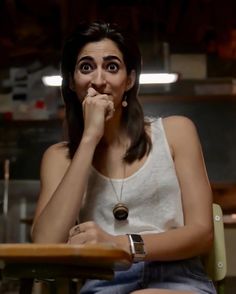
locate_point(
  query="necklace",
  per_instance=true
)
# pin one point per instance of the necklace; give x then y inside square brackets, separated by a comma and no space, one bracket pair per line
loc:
[120,210]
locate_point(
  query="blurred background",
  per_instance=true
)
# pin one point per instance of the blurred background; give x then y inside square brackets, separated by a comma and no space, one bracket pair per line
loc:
[194,38]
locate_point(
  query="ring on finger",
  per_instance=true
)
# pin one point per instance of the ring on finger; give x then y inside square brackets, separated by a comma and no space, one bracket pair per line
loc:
[76,230]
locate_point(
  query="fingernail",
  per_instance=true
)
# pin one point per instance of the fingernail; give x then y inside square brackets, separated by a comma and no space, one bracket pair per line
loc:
[91,91]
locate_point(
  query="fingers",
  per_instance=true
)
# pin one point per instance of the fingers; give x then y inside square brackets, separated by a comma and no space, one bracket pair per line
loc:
[110,110]
[87,232]
[81,234]
[100,100]
[78,239]
[75,230]
[75,235]
[91,92]
[81,228]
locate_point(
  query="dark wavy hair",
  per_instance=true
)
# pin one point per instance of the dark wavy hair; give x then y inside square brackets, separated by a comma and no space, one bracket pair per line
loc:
[132,116]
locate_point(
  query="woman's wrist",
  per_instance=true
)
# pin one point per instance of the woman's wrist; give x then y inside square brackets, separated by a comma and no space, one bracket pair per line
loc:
[91,140]
[122,241]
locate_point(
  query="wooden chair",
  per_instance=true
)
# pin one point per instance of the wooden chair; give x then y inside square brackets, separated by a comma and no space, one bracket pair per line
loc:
[215,262]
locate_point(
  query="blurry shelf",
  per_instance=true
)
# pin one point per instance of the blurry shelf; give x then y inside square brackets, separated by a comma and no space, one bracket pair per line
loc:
[23,123]
[225,195]
[152,98]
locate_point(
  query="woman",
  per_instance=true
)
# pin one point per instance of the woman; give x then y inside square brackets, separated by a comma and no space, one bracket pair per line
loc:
[128,180]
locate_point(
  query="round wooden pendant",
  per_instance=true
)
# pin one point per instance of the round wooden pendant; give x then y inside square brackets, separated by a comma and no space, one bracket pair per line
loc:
[120,211]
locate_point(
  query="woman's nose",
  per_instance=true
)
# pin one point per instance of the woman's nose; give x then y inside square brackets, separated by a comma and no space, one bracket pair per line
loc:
[98,79]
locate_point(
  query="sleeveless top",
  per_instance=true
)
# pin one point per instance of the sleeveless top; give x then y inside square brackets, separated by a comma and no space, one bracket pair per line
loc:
[152,194]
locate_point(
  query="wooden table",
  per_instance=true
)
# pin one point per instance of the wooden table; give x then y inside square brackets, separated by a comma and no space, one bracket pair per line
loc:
[27,262]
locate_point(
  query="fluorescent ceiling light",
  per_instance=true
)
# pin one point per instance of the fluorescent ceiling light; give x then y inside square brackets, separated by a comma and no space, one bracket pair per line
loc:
[53,81]
[156,78]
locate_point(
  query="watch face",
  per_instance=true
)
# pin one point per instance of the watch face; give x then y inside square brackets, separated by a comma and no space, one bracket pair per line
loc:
[136,238]
[139,248]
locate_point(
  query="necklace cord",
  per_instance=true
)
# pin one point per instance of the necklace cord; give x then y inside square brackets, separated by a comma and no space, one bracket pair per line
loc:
[122,185]
[120,210]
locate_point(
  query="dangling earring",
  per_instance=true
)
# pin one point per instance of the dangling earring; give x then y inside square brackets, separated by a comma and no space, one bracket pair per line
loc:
[124,102]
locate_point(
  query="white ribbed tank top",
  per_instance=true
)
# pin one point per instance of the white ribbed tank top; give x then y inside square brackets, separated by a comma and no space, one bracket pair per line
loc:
[152,193]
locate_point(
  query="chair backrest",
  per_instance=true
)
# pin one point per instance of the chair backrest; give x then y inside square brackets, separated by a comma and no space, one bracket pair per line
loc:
[215,262]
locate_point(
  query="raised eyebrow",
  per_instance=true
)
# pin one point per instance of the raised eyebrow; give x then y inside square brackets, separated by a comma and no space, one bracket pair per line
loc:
[112,57]
[106,58]
[84,58]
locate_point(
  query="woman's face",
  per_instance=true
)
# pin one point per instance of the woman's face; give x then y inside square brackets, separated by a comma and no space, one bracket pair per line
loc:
[100,65]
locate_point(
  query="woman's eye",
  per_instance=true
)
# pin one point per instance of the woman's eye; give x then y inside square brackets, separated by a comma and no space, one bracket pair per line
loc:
[85,67]
[113,67]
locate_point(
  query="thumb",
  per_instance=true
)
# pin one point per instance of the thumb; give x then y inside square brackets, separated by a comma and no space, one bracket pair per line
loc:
[91,92]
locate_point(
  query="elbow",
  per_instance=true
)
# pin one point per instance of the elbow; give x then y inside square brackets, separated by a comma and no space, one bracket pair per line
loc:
[32,234]
[36,237]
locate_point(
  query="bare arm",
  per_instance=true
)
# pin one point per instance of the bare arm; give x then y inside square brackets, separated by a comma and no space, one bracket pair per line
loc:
[64,181]
[62,187]
[196,236]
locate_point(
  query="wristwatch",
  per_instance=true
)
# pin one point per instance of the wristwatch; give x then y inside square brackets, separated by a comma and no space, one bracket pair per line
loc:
[137,247]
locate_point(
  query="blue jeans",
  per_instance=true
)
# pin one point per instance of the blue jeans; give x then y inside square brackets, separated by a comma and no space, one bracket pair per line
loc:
[185,274]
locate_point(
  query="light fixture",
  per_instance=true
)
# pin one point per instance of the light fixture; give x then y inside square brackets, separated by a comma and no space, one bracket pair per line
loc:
[145,78]
[158,78]
[52,81]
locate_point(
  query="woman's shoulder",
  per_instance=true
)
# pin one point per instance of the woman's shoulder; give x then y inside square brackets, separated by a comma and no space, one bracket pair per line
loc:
[57,152]
[172,123]
[60,147]
[178,122]
[180,130]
